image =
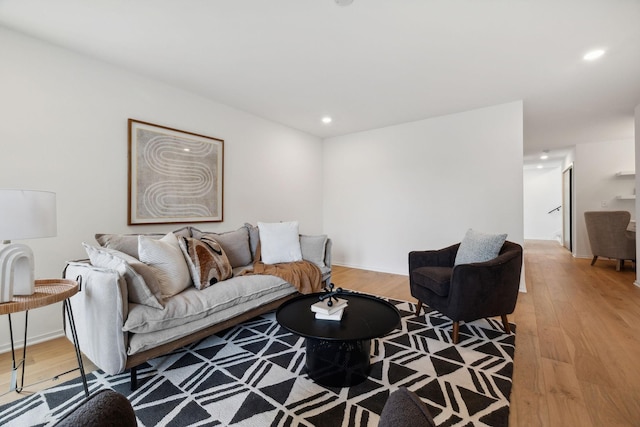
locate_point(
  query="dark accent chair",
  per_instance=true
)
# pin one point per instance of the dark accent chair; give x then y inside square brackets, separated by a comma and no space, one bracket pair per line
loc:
[608,236]
[403,409]
[466,292]
[105,408]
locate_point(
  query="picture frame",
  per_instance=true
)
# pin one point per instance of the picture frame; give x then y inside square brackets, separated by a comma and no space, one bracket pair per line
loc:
[174,176]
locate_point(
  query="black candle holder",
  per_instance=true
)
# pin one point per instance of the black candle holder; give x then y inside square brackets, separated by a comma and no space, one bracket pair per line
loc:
[331,294]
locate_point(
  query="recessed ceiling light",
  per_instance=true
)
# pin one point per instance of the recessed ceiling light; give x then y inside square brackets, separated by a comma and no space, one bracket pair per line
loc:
[593,55]
[326,120]
[544,157]
[539,166]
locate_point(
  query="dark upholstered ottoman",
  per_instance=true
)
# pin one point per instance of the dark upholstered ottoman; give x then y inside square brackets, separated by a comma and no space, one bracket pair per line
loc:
[404,408]
[106,408]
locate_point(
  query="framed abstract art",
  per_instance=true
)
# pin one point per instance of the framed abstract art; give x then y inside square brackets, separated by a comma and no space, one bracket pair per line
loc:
[174,176]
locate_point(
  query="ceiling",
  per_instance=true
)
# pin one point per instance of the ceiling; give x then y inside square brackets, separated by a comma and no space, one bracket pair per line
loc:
[373,63]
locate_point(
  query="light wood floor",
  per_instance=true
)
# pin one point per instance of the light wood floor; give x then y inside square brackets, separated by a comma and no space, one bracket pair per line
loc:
[577,346]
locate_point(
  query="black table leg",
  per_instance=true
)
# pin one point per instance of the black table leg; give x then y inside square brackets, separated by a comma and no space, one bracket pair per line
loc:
[14,368]
[67,308]
[338,363]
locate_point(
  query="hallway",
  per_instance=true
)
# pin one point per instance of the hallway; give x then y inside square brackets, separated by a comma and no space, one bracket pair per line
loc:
[577,345]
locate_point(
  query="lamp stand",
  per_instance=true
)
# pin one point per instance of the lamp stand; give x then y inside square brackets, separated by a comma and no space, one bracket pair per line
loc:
[16,271]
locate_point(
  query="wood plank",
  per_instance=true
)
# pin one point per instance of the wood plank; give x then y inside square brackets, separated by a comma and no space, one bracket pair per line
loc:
[611,406]
[528,401]
[44,361]
[565,400]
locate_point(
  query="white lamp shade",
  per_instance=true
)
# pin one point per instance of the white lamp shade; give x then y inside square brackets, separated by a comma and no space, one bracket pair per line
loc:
[26,214]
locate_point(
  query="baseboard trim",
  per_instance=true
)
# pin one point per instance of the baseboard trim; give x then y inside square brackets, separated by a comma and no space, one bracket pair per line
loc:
[359,267]
[32,340]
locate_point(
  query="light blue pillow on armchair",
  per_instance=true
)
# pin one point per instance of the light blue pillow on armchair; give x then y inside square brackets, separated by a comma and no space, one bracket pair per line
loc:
[479,247]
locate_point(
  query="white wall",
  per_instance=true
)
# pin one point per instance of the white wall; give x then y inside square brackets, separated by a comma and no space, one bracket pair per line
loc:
[421,185]
[569,159]
[64,129]
[596,185]
[543,193]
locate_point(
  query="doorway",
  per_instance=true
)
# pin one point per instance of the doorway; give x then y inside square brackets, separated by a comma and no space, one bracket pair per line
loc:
[567,208]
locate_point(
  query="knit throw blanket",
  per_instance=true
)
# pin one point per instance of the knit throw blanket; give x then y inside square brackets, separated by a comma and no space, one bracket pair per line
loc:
[304,275]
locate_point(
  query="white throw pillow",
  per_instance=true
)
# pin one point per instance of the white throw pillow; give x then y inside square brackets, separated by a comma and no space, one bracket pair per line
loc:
[166,257]
[279,242]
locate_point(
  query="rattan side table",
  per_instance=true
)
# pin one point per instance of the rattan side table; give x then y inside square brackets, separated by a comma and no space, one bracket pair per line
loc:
[47,292]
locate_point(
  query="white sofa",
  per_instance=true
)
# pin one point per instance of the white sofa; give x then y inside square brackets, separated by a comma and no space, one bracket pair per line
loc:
[119,329]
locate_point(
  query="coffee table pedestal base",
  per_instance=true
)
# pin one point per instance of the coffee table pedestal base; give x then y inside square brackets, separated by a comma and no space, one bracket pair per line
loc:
[338,363]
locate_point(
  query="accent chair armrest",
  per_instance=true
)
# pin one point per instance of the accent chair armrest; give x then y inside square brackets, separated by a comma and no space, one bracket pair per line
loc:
[435,258]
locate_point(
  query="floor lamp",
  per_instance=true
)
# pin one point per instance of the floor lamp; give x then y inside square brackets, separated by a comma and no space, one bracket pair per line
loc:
[23,215]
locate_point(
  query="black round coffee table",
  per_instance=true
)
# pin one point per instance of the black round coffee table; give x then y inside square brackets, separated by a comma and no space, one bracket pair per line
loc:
[338,352]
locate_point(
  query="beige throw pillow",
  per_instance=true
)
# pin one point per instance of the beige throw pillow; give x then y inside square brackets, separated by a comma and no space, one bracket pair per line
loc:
[165,256]
[142,284]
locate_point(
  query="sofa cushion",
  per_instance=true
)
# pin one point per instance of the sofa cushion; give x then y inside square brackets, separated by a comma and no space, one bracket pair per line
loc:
[145,341]
[313,248]
[192,304]
[479,247]
[142,283]
[207,262]
[436,279]
[234,243]
[405,408]
[279,242]
[166,258]
[128,243]
[254,239]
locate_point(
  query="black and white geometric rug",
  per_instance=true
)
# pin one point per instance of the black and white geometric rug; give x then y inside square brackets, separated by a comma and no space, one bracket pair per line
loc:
[254,375]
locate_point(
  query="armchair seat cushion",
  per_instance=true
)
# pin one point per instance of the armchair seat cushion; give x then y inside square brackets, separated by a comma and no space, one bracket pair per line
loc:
[436,279]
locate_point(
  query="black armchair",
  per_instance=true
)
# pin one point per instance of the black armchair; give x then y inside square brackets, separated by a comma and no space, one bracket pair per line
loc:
[466,292]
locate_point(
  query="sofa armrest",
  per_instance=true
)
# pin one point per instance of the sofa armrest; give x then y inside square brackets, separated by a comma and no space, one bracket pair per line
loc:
[99,310]
[327,253]
[436,258]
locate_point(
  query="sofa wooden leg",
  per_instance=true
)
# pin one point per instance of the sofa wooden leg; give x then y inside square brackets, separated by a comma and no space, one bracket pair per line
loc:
[456,332]
[134,378]
[593,261]
[619,264]
[418,308]
[505,323]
